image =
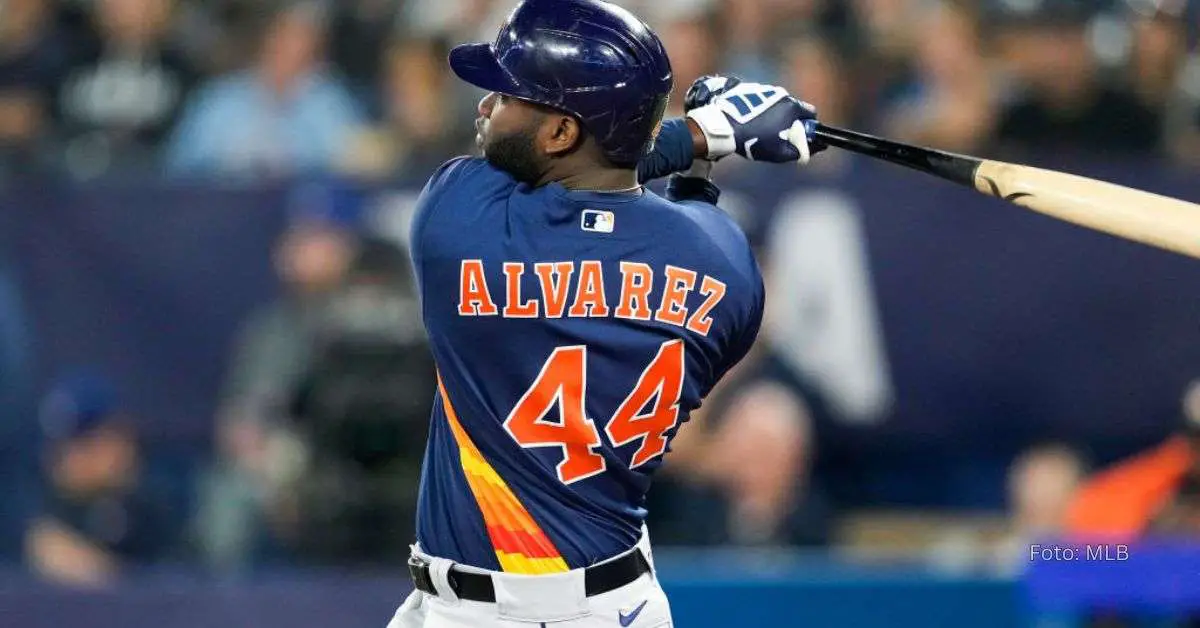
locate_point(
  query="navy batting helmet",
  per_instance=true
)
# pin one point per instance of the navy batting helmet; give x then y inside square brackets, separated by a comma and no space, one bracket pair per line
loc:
[589,58]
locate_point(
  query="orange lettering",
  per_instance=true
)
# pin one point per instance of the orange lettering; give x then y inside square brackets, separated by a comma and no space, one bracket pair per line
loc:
[636,281]
[673,308]
[555,280]
[715,291]
[513,308]
[589,295]
[473,296]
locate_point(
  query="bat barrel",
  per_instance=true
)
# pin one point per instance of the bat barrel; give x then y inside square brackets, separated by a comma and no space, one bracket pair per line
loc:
[1127,213]
[1135,215]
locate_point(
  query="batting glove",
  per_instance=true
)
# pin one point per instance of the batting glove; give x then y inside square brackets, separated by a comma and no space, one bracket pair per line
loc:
[757,121]
[706,88]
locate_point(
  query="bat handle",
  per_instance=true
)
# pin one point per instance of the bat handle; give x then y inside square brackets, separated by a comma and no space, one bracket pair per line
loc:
[957,168]
[845,139]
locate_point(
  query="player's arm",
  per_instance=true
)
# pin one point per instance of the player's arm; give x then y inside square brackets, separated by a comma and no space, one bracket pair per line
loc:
[445,179]
[725,116]
[678,144]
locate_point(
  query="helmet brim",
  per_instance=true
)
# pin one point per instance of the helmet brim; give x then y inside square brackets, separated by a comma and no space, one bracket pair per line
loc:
[477,65]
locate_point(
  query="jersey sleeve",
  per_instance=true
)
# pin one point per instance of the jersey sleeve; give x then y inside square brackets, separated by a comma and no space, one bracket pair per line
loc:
[444,180]
[746,334]
[672,152]
[744,305]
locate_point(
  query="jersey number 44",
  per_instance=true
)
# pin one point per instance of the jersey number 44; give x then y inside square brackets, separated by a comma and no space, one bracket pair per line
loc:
[562,382]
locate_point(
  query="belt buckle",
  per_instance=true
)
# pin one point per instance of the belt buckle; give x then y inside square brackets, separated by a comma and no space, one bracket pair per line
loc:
[418,569]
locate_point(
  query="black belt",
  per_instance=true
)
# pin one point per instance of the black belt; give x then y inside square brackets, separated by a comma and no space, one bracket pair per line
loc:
[478,587]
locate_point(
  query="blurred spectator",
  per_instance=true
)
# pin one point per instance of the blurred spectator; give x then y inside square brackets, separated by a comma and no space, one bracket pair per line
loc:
[691,41]
[31,65]
[1159,49]
[458,20]
[1063,103]
[757,32]
[741,469]
[286,115]
[418,127]
[99,517]
[362,413]
[74,16]
[813,71]
[124,90]
[769,424]
[950,101]
[1183,112]
[889,25]
[359,36]
[257,447]
[1154,492]
[744,41]
[886,32]
[222,35]
[1041,483]
[1180,515]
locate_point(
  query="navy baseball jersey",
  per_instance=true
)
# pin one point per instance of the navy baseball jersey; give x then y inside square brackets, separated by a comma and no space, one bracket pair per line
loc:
[573,333]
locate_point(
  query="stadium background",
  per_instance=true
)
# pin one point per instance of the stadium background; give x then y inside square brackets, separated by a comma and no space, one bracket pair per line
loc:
[202,216]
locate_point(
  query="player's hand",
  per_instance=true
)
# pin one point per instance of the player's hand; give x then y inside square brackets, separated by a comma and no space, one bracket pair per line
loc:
[706,88]
[757,121]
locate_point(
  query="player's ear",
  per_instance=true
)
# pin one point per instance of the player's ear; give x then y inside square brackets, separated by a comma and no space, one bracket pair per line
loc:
[563,134]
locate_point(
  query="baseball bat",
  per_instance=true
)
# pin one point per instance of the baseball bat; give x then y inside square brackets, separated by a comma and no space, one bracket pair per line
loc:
[1128,213]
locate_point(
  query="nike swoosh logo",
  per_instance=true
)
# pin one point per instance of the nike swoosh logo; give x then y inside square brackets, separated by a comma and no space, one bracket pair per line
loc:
[632,616]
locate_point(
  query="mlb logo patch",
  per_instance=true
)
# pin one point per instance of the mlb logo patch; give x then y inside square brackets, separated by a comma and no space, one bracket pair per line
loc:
[598,221]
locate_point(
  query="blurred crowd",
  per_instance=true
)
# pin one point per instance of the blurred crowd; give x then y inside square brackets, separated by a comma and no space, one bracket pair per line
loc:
[257,88]
[319,434]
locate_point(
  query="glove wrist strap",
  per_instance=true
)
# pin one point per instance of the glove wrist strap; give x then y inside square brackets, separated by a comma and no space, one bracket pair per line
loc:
[717,129]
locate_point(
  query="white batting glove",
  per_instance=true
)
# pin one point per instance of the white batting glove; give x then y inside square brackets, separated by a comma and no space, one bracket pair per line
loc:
[757,121]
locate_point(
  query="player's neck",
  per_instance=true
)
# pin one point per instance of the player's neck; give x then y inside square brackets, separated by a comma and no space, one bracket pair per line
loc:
[603,180]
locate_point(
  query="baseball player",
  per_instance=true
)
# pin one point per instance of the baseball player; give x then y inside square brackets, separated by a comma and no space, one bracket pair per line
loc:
[575,317]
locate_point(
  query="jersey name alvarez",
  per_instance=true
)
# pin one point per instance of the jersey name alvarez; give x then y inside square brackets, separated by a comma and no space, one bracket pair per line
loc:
[576,290]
